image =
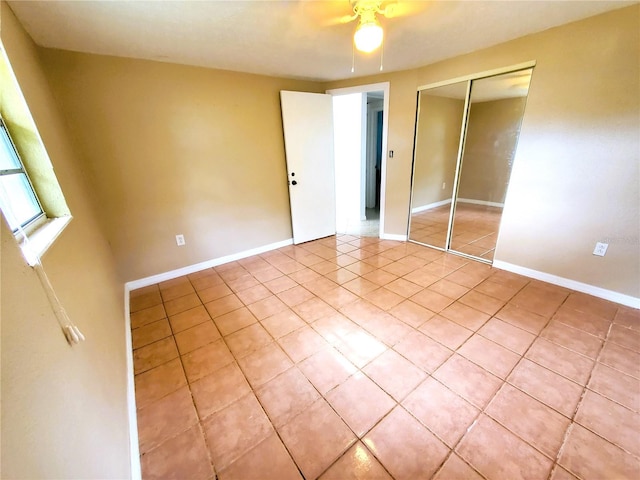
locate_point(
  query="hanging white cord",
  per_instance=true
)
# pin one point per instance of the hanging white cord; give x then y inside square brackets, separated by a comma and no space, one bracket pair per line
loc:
[353,56]
[71,332]
[381,53]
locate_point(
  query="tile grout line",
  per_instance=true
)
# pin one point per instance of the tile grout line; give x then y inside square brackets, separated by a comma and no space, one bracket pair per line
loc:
[235,361]
[253,389]
[359,369]
[492,398]
[569,429]
[358,439]
[323,397]
[398,403]
[193,401]
[581,401]
[430,375]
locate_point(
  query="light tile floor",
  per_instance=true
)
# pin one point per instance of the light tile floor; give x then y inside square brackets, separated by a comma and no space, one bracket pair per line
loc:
[359,358]
[365,228]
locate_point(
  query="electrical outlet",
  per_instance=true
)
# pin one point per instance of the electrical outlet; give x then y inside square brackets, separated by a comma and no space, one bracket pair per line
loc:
[180,240]
[601,249]
[444,185]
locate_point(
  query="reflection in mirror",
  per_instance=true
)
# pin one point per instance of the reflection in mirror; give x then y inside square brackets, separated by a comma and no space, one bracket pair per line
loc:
[493,126]
[439,122]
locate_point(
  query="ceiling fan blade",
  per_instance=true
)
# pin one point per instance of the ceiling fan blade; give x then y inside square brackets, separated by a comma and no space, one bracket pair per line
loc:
[338,20]
[326,13]
[400,8]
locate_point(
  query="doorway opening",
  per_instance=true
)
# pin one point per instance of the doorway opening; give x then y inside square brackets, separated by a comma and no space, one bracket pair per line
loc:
[360,138]
[373,167]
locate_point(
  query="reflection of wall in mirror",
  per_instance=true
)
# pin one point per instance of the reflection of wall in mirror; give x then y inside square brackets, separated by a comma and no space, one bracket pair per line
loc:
[490,147]
[436,154]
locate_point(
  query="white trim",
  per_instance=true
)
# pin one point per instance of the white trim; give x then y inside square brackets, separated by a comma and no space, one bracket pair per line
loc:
[372,87]
[430,206]
[480,202]
[372,133]
[136,470]
[42,237]
[476,76]
[161,277]
[628,300]
[385,88]
[364,135]
[393,236]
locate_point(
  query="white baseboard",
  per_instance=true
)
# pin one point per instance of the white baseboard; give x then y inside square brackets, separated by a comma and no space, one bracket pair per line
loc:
[392,236]
[429,206]
[481,202]
[134,449]
[616,297]
[136,470]
[162,277]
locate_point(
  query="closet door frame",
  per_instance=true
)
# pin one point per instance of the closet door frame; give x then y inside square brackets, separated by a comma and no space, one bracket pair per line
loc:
[463,132]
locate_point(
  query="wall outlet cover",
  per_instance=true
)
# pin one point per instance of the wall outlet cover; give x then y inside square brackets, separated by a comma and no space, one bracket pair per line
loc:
[601,249]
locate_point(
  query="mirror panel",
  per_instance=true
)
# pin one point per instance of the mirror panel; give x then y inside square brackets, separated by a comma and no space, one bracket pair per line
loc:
[495,114]
[438,128]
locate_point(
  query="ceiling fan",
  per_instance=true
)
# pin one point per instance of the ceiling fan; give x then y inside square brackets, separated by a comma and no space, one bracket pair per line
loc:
[369,33]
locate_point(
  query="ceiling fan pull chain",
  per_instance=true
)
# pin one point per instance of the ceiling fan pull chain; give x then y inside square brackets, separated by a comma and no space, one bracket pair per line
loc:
[353,57]
[381,54]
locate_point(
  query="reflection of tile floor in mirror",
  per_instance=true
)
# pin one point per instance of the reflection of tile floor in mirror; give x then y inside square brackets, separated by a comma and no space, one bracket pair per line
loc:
[430,226]
[360,358]
[475,229]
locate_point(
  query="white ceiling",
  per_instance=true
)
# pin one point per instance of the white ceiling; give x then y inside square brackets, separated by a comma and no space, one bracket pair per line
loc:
[298,39]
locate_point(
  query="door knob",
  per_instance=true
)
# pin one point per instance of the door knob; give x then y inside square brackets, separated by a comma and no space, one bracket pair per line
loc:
[294,183]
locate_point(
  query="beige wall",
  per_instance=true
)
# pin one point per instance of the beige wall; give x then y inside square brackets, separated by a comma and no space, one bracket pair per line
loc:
[575,179]
[64,412]
[489,149]
[437,144]
[173,150]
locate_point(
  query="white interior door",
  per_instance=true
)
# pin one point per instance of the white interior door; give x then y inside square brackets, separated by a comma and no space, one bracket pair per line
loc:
[308,137]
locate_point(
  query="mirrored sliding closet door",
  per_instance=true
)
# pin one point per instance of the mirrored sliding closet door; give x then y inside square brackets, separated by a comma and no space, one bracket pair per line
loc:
[466,139]
[440,120]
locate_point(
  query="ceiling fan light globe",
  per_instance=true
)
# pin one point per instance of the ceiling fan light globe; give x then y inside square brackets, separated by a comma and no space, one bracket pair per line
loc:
[368,37]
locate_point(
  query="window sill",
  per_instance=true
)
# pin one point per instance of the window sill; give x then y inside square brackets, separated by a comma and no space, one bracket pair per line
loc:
[42,238]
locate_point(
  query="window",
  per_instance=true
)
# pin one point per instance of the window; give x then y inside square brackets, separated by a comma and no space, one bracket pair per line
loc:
[18,200]
[35,207]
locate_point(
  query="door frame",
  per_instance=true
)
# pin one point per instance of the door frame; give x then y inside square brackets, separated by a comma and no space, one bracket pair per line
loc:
[372,131]
[385,88]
